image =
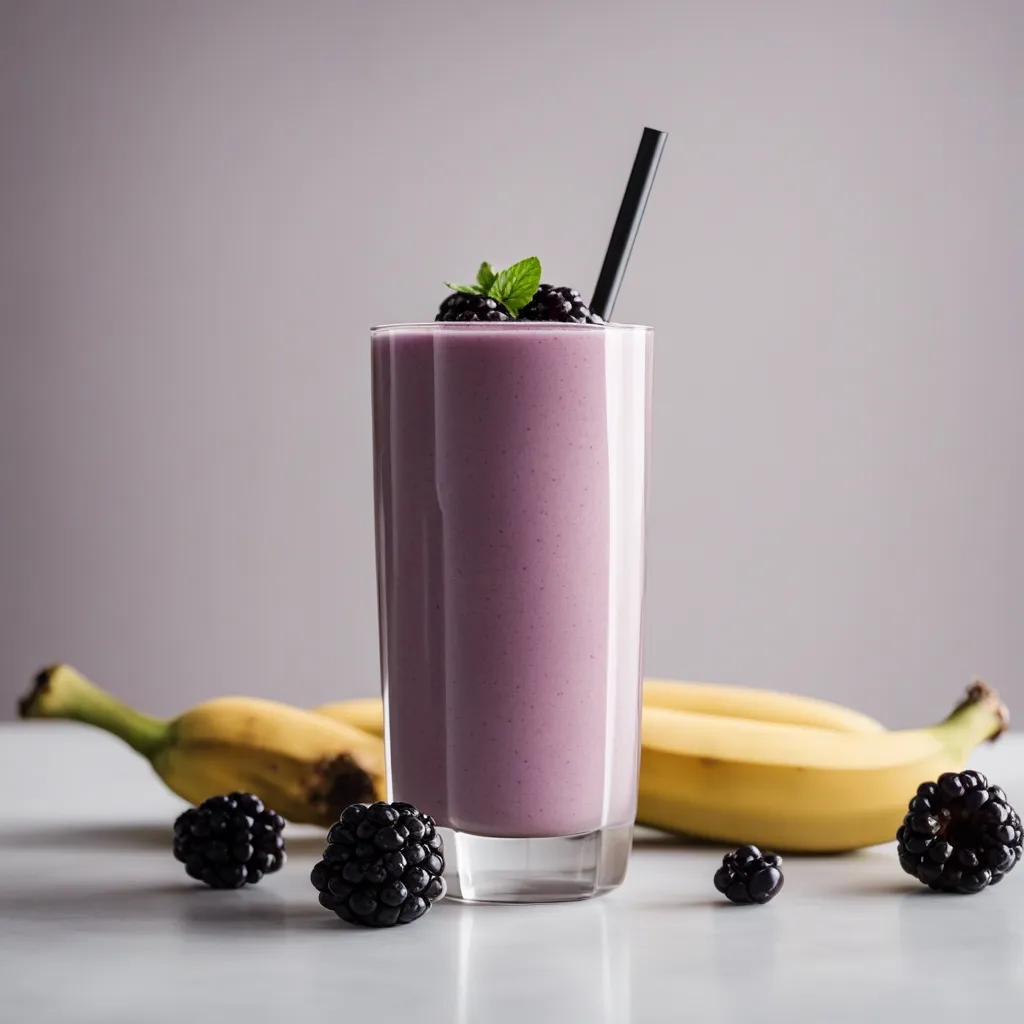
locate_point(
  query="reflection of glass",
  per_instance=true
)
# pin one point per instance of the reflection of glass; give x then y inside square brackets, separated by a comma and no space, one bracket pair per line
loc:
[587,979]
[510,470]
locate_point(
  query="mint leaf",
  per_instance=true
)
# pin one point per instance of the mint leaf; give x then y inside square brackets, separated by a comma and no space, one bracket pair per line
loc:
[485,277]
[516,285]
[466,289]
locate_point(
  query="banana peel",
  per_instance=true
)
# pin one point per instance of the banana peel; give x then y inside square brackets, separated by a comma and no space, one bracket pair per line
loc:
[305,766]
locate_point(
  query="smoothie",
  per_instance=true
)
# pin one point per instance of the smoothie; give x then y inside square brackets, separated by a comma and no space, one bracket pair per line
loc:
[510,477]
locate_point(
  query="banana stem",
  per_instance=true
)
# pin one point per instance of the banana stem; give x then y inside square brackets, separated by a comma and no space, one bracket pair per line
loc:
[61,692]
[980,716]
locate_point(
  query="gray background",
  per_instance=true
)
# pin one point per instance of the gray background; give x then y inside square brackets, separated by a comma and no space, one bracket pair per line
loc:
[203,205]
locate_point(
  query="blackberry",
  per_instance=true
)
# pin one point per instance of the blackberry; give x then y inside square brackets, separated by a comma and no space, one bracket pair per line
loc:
[960,834]
[382,866]
[749,876]
[565,305]
[460,306]
[228,841]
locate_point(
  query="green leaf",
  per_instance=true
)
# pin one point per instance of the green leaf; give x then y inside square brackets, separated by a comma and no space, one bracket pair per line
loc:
[485,277]
[466,289]
[516,285]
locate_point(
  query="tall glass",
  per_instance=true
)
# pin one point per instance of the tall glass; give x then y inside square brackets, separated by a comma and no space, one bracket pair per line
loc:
[510,472]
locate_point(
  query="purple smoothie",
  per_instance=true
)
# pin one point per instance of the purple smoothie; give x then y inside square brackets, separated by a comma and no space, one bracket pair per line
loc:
[510,472]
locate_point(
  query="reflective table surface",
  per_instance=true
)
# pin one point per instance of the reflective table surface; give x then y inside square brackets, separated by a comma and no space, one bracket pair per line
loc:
[98,923]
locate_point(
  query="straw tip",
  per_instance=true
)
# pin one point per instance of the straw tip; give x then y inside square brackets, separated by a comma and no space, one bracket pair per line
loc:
[631,211]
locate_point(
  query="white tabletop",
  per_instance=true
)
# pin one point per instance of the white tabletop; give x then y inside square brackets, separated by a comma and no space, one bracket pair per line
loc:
[99,924]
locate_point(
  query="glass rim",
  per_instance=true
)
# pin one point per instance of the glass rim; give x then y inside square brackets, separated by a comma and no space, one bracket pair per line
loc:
[486,326]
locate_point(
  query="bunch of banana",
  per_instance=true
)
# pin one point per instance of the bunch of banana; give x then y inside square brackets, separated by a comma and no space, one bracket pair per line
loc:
[796,787]
[792,773]
[304,766]
[718,762]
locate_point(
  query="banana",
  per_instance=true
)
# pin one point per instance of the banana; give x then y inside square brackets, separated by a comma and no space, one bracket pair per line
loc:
[758,705]
[705,698]
[793,787]
[366,713]
[304,766]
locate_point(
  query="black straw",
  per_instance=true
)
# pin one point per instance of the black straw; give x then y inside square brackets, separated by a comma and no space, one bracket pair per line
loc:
[638,188]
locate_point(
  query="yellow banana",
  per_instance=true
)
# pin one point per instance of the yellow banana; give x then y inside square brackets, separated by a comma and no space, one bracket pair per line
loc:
[304,766]
[705,698]
[758,705]
[366,713]
[795,787]
[789,786]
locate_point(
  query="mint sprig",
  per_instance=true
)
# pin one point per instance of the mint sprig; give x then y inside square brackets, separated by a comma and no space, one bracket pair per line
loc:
[514,287]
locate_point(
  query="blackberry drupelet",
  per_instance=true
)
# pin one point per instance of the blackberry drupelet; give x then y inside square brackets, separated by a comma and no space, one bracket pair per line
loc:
[960,834]
[461,306]
[228,841]
[564,305]
[749,876]
[382,866]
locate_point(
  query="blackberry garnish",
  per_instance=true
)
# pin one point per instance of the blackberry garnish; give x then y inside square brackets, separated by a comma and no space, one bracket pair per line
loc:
[229,841]
[565,305]
[960,834]
[749,876]
[382,866]
[460,306]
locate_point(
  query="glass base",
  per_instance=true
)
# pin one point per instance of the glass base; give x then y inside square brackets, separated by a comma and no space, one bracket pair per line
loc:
[483,869]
